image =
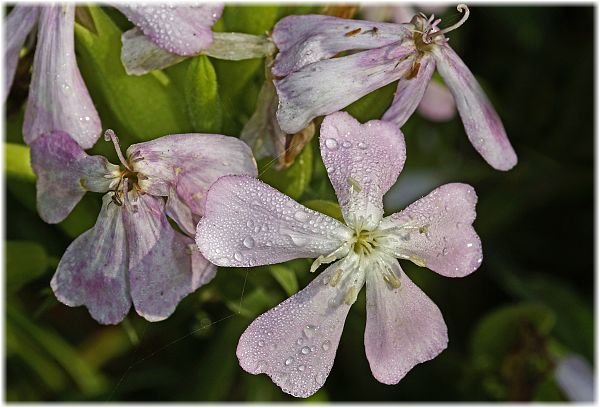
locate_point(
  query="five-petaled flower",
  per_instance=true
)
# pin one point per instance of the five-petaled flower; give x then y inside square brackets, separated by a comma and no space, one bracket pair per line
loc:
[133,254]
[314,83]
[247,223]
[58,97]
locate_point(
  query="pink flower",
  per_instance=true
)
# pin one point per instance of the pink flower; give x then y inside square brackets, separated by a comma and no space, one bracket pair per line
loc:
[247,223]
[132,254]
[314,83]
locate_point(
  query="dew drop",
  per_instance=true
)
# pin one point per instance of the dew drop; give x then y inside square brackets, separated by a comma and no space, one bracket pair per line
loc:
[261,343]
[301,367]
[331,144]
[362,146]
[250,224]
[309,331]
[469,245]
[248,242]
[305,350]
[326,345]
[289,361]
[261,365]
[445,251]
[299,341]
[301,216]
[346,144]
[238,257]
[319,378]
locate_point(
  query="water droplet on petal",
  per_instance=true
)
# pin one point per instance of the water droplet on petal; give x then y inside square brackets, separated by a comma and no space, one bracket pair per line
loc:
[299,341]
[238,257]
[362,146]
[346,144]
[261,343]
[331,144]
[301,367]
[289,361]
[261,366]
[248,242]
[326,345]
[309,331]
[301,216]
[305,350]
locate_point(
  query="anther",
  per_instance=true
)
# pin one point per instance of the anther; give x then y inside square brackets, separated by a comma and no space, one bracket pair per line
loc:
[110,135]
[462,8]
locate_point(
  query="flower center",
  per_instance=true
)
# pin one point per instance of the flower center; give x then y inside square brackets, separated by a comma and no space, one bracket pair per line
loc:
[364,242]
[427,28]
[128,178]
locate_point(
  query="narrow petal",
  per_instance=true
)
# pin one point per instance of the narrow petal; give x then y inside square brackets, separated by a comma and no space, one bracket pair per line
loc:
[437,232]
[58,97]
[575,377]
[303,40]
[164,267]
[64,173]
[182,30]
[180,213]
[404,327]
[410,92]
[249,223]
[19,23]
[139,55]
[190,162]
[240,46]
[438,103]
[482,124]
[93,270]
[363,162]
[327,86]
[295,342]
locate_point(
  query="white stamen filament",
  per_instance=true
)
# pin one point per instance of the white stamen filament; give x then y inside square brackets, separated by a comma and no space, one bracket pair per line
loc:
[462,8]
[110,135]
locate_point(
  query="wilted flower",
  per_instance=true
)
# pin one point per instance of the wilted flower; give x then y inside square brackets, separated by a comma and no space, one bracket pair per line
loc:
[58,97]
[133,254]
[313,83]
[247,223]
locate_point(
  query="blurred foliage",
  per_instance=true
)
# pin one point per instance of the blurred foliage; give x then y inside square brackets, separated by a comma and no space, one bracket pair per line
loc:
[529,303]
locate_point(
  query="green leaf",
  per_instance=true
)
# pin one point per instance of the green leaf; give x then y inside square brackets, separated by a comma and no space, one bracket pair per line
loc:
[17,163]
[293,180]
[89,381]
[202,96]
[326,207]
[25,261]
[286,278]
[373,105]
[136,107]
[253,303]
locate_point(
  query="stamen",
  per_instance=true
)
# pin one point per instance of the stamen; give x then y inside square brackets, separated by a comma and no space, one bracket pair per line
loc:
[351,295]
[462,8]
[110,135]
[354,184]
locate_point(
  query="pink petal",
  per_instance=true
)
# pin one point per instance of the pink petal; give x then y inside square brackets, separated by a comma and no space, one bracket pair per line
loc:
[437,231]
[575,377]
[64,173]
[58,97]
[438,103]
[482,124]
[139,55]
[180,213]
[249,223]
[183,30]
[410,92]
[305,39]
[190,162]
[19,23]
[164,266]
[93,270]
[363,162]
[404,327]
[295,342]
[327,86]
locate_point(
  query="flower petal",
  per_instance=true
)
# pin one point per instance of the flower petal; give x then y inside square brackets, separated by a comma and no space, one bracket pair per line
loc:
[64,173]
[139,55]
[183,30]
[180,213]
[295,342]
[438,103]
[363,162]
[482,124]
[302,40]
[404,327]
[575,377]
[163,265]
[249,223]
[191,162]
[58,97]
[436,231]
[410,92]
[19,23]
[327,86]
[93,270]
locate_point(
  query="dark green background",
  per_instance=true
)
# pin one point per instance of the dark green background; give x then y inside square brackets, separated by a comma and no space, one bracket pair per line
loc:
[509,322]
